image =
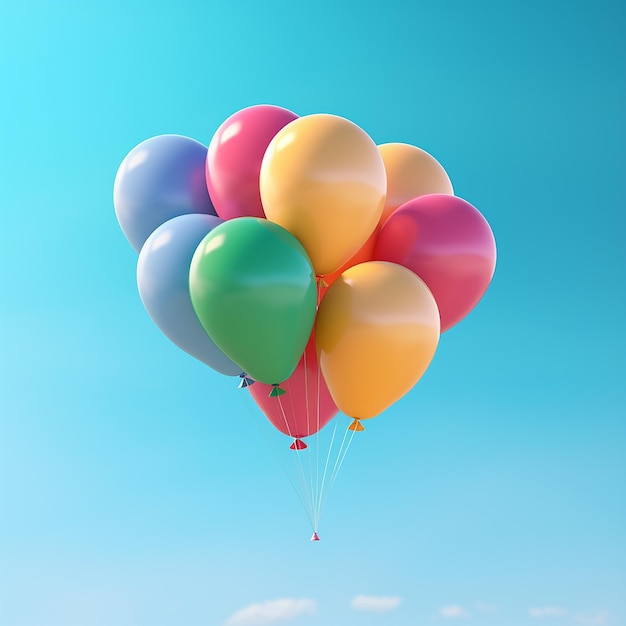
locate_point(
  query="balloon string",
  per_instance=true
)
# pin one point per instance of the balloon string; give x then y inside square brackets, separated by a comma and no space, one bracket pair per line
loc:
[320,489]
[308,424]
[254,412]
[320,280]
[297,454]
[317,438]
[334,477]
[336,473]
[343,441]
[318,502]
[306,392]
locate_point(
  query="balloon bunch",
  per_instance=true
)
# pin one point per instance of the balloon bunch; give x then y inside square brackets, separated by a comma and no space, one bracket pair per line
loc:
[298,254]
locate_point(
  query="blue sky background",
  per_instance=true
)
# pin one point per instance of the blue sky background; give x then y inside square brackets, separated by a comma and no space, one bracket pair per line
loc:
[135,487]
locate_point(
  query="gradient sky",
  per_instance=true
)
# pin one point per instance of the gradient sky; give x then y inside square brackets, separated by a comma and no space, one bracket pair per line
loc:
[135,486]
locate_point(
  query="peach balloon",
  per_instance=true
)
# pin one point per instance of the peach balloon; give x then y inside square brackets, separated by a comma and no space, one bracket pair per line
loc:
[411,172]
[323,179]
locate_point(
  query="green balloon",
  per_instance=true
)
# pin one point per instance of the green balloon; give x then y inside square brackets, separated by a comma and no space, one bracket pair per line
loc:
[253,289]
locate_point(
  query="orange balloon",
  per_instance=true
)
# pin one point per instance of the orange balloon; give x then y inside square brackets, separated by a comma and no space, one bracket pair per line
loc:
[323,179]
[366,253]
[376,332]
[411,172]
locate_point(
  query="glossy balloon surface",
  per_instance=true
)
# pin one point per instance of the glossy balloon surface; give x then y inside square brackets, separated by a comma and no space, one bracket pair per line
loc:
[377,330]
[253,289]
[365,253]
[234,159]
[449,244]
[163,281]
[323,179]
[411,172]
[159,179]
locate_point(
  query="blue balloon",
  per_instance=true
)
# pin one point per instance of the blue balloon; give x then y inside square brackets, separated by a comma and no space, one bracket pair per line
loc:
[159,179]
[163,281]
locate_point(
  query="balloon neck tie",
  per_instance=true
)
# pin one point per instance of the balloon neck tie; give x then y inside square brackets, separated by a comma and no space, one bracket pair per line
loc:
[277,390]
[298,444]
[321,282]
[245,381]
[315,537]
[356,425]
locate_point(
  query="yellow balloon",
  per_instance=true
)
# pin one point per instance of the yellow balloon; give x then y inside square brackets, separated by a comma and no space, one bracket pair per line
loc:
[377,330]
[323,179]
[411,172]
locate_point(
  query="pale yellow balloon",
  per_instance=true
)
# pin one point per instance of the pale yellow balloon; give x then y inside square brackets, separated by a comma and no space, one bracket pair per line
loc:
[411,172]
[323,179]
[376,332]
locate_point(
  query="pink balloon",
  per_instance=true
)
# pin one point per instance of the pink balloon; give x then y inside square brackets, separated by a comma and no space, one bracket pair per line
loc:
[301,411]
[234,159]
[448,244]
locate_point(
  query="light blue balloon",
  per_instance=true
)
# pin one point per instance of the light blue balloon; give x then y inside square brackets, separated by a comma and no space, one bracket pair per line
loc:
[159,179]
[163,281]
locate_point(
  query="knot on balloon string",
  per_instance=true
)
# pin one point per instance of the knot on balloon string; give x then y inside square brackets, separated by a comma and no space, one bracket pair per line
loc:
[321,282]
[277,390]
[315,537]
[298,444]
[356,425]
[245,381]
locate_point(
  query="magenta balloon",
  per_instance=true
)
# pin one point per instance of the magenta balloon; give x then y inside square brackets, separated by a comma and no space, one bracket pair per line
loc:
[448,244]
[234,159]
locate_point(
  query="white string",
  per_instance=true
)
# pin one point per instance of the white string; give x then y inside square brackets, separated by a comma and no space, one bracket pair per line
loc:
[319,490]
[317,437]
[306,506]
[318,502]
[313,494]
[333,477]
[343,441]
[308,426]
[297,454]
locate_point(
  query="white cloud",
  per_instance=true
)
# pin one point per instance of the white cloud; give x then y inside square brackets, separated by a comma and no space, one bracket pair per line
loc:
[452,611]
[271,612]
[592,619]
[376,603]
[546,611]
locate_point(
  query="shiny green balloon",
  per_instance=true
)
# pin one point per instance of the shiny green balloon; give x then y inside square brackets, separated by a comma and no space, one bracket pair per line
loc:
[253,289]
